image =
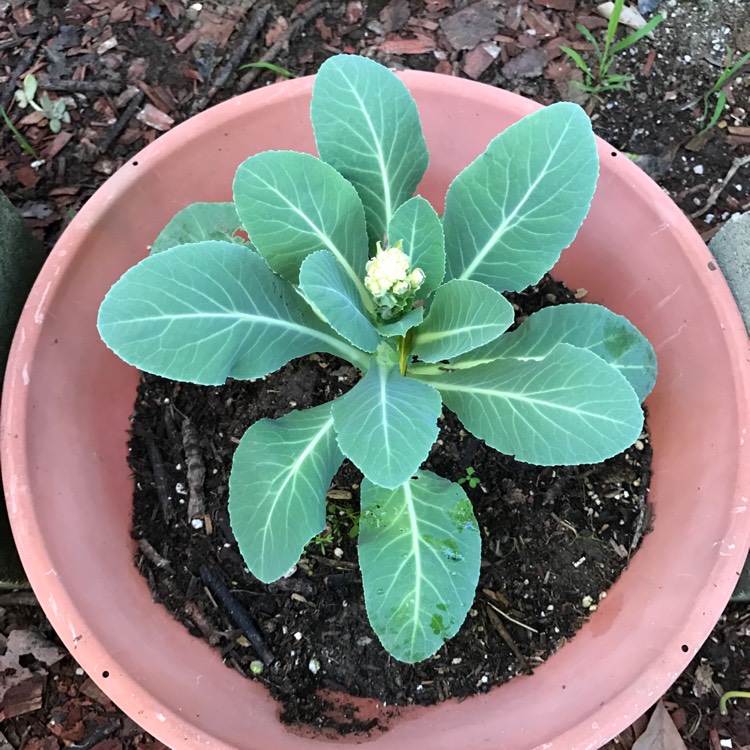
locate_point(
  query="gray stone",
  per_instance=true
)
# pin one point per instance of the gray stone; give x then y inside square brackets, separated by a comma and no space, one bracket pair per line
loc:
[21,257]
[731,248]
[470,26]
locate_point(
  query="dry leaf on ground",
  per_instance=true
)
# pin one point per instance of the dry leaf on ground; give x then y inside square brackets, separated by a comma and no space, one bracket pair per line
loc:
[661,733]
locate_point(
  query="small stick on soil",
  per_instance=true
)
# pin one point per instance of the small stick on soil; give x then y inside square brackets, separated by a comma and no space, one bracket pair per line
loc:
[738,163]
[161,480]
[80,87]
[152,555]
[248,36]
[237,613]
[297,25]
[505,635]
[510,619]
[195,471]
[195,613]
[23,66]
[99,734]
[122,122]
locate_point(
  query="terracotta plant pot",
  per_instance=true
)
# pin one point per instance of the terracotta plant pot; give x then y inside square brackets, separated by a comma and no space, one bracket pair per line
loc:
[65,418]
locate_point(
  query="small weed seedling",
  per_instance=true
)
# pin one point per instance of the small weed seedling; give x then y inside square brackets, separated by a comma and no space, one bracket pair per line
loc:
[344,258]
[717,90]
[53,110]
[268,66]
[599,79]
[470,478]
[22,142]
[729,695]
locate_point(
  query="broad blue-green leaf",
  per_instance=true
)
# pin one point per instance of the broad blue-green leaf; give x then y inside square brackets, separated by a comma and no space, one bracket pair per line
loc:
[208,311]
[512,211]
[387,424]
[277,489]
[196,222]
[569,408]
[367,127]
[292,204]
[400,327]
[416,223]
[325,283]
[608,335]
[419,552]
[463,315]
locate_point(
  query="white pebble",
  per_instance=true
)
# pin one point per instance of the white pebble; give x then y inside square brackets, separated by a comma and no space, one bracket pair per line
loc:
[298,636]
[314,666]
[587,601]
[197,523]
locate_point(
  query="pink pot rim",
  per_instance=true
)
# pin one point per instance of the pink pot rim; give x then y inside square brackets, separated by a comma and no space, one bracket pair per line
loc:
[162,720]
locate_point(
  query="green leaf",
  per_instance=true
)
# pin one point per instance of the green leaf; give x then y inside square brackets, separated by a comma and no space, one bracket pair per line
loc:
[463,315]
[367,127]
[511,212]
[400,327]
[637,35]
[608,335]
[419,552]
[208,311]
[277,489]
[416,223]
[325,284]
[29,86]
[576,58]
[387,424]
[196,222]
[569,408]
[292,204]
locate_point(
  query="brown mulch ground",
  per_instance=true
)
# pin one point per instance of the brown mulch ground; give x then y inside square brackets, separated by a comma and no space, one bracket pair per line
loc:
[130,70]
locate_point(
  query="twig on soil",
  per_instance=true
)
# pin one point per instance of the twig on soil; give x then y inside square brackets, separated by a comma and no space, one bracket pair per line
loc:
[161,480]
[510,619]
[80,87]
[505,635]
[153,556]
[195,613]
[237,613]
[738,163]
[248,36]
[122,122]
[195,471]
[23,65]
[99,734]
[297,25]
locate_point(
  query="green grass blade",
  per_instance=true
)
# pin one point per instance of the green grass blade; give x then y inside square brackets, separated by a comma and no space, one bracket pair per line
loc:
[577,59]
[589,37]
[268,66]
[636,36]
[614,19]
[22,142]
[721,101]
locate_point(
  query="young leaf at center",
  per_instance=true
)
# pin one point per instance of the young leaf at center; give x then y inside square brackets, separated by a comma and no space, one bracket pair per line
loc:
[277,490]
[463,315]
[419,551]
[387,424]
[325,283]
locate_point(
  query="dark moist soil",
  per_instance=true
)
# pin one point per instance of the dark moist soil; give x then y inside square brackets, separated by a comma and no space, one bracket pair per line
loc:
[554,540]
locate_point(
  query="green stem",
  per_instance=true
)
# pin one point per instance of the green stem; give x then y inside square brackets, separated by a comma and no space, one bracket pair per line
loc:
[404,349]
[723,710]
